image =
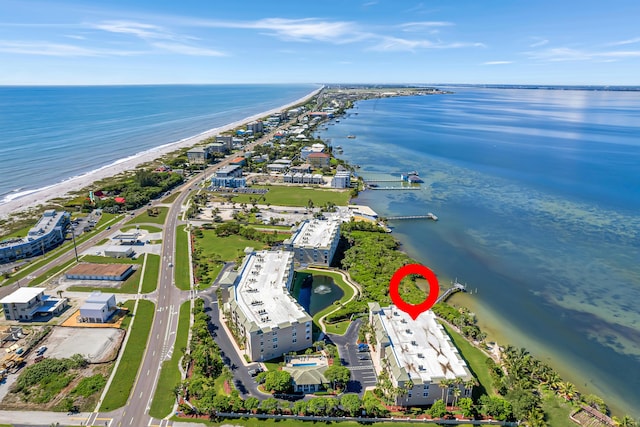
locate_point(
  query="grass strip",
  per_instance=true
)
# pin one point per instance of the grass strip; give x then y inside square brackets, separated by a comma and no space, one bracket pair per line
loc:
[181,260]
[282,195]
[131,360]
[52,272]
[153,219]
[164,398]
[476,360]
[151,273]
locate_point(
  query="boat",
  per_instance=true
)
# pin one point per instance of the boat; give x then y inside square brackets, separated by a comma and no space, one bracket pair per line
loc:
[413,173]
[432,216]
[351,136]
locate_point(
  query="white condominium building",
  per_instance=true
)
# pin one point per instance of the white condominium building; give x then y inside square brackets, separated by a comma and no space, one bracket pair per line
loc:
[418,355]
[314,241]
[268,320]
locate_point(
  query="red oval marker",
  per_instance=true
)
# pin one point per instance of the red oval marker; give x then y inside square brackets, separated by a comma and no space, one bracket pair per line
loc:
[414,310]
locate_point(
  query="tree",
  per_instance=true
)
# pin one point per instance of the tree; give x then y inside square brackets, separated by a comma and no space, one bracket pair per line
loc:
[626,421]
[300,407]
[277,381]
[221,403]
[251,403]
[438,409]
[269,405]
[318,406]
[338,375]
[467,407]
[351,404]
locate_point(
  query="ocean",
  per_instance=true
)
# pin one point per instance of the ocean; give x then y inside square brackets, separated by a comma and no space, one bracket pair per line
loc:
[50,134]
[538,198]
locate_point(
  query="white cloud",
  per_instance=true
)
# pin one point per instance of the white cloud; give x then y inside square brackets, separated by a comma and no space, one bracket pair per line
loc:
[423,25]
[137,29]
[539,42]
[45,48]
[399,44]
[625,42]
[184,49]
[497,62]
[561,54]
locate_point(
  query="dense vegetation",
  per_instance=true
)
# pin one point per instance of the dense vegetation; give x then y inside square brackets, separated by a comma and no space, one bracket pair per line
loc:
[41,382]
[371,257]
[137,190]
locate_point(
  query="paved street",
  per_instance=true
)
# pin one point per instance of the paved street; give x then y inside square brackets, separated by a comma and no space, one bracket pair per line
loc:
[362,373]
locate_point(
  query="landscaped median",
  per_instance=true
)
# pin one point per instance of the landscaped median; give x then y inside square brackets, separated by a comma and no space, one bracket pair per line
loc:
[126,374]
[170,377]
[181,261]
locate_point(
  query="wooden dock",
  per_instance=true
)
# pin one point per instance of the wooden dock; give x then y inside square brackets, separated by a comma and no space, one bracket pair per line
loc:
[393,188]
[427,216]
[456,287]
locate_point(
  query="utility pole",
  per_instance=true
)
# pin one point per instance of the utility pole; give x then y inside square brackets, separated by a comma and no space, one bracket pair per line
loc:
[73,237]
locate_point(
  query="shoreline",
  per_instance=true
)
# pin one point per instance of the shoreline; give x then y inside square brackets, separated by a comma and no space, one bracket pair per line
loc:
[40,196]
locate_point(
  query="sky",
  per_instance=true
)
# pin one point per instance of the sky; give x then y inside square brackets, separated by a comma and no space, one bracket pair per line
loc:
[565,42]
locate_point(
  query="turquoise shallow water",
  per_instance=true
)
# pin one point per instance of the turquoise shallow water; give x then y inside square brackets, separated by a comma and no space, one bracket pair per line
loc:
[538,195]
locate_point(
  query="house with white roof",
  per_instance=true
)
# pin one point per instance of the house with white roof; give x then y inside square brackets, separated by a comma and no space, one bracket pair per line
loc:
[418,356]
[29,303]
[268,320]
[314,241]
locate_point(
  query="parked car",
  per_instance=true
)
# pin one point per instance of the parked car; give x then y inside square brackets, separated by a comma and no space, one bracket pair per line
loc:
[255,371]
[41,350]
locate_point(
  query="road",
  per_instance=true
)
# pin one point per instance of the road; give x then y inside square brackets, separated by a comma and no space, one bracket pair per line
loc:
[359,363]
[160,344]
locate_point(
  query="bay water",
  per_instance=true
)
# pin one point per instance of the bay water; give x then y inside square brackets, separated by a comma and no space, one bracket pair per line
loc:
[538,198]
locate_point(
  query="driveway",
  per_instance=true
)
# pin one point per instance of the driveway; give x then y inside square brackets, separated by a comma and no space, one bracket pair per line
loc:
[244,382]
[362,373]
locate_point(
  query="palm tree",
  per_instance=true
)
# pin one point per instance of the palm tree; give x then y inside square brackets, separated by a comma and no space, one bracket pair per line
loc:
[456,394]
[626,421]
[470,384]
[446,383]
[535,418]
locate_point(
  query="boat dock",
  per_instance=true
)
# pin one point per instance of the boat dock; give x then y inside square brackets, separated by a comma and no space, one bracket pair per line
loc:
[430,216]
[455,287]
[393,188]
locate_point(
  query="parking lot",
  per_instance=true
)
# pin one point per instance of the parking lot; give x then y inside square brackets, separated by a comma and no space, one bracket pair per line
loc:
[358,362]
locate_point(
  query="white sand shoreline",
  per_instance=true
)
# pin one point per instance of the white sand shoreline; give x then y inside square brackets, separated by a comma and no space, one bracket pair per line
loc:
[63,188]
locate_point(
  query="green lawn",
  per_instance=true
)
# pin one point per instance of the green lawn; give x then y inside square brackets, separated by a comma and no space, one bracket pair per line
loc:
[18,233]
[52,272]
[227,248]
[171,198]
[339,328]
[181,260]
[163,399]
[151,273]
[475,360]
[556,410]
[149,228]
[144,217]
[281,195]
[122,383]
[254,422]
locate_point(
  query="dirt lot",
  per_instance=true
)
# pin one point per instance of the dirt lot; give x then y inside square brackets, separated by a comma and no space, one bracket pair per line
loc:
[96,345]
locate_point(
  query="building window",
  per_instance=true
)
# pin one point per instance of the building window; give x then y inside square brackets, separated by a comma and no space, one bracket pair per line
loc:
[275,339]
[425,394]
[294,340]
[275,346]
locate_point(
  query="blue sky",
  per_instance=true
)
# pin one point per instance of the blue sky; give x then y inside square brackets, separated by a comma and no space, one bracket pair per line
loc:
[323,41]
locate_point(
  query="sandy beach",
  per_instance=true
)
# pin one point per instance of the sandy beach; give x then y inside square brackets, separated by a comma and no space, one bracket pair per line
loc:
[62,189]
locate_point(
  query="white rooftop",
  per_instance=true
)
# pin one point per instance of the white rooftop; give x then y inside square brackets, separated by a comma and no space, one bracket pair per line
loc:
[22,295]
[315,233]
[421,346]
[262,291]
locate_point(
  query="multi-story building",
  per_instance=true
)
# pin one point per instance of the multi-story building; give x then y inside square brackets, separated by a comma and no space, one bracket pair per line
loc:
[314,241]
[229,176]
[48,233]
[417,355]
[27,303]
[255,127]
[267,319]
[226,140]
[197,156]
[318,160]
[342,178]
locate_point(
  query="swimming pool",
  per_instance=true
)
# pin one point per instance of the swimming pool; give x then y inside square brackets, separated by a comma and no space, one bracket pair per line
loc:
[304,364]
